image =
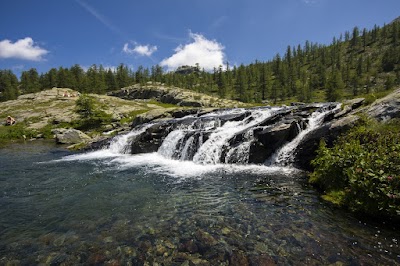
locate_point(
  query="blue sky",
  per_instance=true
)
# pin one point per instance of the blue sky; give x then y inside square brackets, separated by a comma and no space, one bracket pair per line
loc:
[48,33]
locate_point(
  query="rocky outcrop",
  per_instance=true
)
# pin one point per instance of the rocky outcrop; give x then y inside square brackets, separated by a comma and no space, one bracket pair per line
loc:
[173,95]
[151,139]
[382,109]
[306,150]
[265,137]
[386,108]
[256,139]
[70,136]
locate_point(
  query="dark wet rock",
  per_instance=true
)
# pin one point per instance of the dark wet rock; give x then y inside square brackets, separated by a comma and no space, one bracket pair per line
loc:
[59,259]
[205,239]
[189,246]
[238,258]
[268,140]
[151,139]
[185,112]
[97,259]
[261,260]
[306,150]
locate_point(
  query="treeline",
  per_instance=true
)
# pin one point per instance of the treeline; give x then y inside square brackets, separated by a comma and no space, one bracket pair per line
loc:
[358,62]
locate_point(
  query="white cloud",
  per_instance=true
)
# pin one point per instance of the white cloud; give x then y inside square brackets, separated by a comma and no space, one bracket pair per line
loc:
[142,50]
[22,49]
[207,53]
[310,2]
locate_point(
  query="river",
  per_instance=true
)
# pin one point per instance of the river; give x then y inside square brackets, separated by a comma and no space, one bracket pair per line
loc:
[59,207]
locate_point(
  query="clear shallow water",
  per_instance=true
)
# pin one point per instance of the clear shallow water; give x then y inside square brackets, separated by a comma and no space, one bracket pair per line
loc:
[104,208]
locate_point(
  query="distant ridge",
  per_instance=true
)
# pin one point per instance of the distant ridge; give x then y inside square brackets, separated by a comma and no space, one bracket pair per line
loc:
[395,20]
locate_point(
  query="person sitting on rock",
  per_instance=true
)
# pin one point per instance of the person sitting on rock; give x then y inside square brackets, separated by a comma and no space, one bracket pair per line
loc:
[10,121]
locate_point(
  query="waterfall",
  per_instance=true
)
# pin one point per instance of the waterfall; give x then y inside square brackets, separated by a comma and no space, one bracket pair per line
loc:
[285,155]
[170,144]
[268,135]
[119,144]
[210,152]
[240,154]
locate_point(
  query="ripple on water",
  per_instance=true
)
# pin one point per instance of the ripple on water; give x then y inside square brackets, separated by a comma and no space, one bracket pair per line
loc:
[99,208]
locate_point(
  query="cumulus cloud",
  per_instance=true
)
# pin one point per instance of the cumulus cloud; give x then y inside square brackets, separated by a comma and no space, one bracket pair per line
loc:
[22,49]
[207,53]
[142,50]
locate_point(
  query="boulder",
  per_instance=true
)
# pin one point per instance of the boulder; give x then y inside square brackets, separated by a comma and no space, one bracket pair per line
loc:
[150,116]
[70,136]
[151,139]
[268,140]
[348,106]
[386,108]
[306,150]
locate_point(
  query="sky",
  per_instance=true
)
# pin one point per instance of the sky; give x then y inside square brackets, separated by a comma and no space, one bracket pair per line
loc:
[43,34]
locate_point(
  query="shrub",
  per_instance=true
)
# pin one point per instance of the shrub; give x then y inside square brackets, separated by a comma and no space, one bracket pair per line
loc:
[91,114]
[19,131]
[362,170]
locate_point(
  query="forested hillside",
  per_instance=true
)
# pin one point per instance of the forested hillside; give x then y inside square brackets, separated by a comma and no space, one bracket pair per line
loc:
[360,61]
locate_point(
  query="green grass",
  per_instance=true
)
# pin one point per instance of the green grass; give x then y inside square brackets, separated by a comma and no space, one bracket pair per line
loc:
[132,115]
[164,105]
[19,131]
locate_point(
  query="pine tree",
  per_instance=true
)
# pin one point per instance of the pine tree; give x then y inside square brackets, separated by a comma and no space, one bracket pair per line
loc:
[30,81]
[8,85]
[79,77]
[122,76]
[221,83]
[241,84]
[111,82]
[334,87]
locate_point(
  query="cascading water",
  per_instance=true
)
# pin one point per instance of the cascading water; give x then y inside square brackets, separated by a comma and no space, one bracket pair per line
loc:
[284,155]
[119,143]
[231,136]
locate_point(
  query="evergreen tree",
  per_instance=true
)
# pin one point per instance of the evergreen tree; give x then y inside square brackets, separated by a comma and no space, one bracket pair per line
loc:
[111,82]
[122,76]
[8,85]
[334,87]
[78,77]
[221,83]
[30,81]
[241,84]
[354,40]
[64,78]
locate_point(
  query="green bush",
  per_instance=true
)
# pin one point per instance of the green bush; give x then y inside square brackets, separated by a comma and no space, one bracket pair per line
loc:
[90,113]
[19,131]
[362,170]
